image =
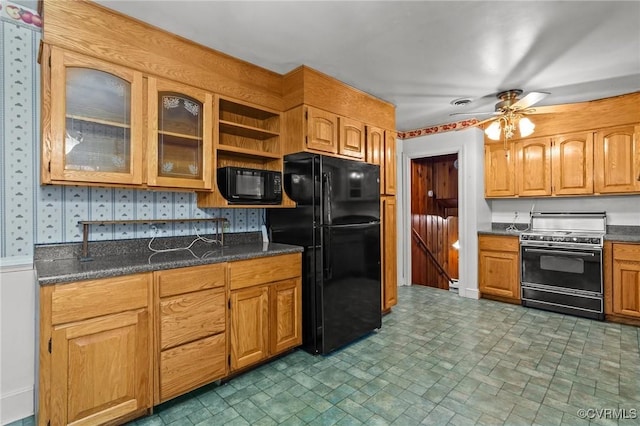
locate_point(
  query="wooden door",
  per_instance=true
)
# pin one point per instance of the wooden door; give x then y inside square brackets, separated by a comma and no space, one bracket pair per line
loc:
[100,369]
[390,162]
[572,162]
[389,255]
[249,326]
[533,167]
[180,136]
[499,266]
[322,131]
[285,311]
[94,113]
[351,141]
[617,160]
[499,170]
[626,279]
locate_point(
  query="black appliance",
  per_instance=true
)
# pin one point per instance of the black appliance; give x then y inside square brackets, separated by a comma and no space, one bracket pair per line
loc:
[337,221]
[561,267]
[241,185]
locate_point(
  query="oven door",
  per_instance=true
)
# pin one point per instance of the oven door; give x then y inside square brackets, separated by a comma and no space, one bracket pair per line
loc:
[566,269]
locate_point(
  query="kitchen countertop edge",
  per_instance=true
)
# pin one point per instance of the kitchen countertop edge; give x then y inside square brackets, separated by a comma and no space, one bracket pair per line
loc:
[615,233]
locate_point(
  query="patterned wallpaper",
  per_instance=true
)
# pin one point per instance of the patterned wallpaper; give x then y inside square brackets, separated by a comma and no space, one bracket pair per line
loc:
[34,214]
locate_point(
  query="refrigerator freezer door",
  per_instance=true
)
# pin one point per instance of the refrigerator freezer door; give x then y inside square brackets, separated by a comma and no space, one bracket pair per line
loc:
[350,191]
[350,290]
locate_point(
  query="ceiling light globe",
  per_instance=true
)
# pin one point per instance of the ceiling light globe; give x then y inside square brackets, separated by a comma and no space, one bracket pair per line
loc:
[526,127]
[493,131]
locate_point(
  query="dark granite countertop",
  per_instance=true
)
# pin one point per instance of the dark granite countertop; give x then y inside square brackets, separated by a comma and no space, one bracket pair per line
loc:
[615,233]
[59,263]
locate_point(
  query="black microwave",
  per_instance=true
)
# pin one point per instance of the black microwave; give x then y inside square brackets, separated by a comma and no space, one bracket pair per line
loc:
[240,185]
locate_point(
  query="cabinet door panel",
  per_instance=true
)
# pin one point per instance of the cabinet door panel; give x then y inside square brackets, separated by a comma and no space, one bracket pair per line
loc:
[499,274]
[100,369]
[322,131]
[389,254]
[96,120]
[499,171]
[286,313]
[626,279]
[249,326]
[573,164]
[389,162]
[617,160]
[352,141]
[180,135]
[533,167]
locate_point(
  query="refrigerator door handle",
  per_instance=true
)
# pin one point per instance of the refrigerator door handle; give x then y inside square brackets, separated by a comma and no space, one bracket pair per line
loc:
[326,197]
[328,269]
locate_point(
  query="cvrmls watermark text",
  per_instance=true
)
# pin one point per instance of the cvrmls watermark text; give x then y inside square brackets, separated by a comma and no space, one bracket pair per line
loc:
[608,413]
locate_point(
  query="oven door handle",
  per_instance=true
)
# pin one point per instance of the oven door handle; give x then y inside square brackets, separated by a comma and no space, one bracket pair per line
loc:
[568,252]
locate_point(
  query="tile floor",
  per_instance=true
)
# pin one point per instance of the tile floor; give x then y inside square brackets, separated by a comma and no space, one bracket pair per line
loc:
[439,359]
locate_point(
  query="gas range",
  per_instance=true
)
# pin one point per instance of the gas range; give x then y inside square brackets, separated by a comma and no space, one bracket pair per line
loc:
[579,230]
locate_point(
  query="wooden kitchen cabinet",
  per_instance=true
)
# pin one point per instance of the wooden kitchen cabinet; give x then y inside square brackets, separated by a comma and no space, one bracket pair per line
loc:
[533,167]
[617,160]
[179,146]
[95,351]
[499,170]
[266,308]
[390,176]
[351,142]
[572,164]
[92,120]
[191,343]
[322,130]
[626,280]
[389,263]
[498,268]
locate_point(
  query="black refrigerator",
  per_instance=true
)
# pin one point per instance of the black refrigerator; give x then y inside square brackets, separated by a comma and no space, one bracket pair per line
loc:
[337,221]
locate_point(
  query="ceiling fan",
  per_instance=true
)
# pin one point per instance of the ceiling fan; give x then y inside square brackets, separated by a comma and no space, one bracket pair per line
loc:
[510,114]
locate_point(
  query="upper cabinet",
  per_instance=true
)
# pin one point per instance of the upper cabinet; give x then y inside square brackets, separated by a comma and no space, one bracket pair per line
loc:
[180,135]
[499,176]
[92,120]
[598,160]
[617,159]
[390,162]
[351,142]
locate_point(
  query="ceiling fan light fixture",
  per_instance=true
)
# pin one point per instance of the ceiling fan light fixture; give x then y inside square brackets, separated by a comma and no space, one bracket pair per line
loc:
[493,131]
[526,127]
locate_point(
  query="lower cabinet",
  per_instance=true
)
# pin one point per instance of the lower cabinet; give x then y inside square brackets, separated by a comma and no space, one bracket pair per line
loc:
[266,308]
[625,282]
[95,351]
[110,349]
[389,261]
[191,318]
[498,267]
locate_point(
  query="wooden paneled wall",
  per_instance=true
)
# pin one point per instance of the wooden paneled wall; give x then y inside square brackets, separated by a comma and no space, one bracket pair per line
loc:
[437,226]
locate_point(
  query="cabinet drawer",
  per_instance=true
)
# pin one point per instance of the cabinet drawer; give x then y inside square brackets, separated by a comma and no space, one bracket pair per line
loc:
[191,316]
[247,273]
[185,280]
[626,252]
[498,243]
[188,366]
[94,298]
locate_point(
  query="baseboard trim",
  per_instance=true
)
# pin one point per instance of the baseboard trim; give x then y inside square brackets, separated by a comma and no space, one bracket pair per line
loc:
[16,405]
[469,293]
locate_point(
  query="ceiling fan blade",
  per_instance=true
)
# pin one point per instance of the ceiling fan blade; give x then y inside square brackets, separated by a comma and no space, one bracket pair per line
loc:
[530,99]
[480,123]
[475,113]
[552,109]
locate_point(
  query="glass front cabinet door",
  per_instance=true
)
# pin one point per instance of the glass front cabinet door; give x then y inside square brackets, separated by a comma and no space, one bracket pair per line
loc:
[95,121]
[180,135]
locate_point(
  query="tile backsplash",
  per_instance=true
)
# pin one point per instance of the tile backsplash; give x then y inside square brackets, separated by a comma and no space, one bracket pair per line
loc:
[34,214]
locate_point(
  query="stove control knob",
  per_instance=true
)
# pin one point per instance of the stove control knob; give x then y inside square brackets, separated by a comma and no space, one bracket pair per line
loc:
[595,241]
[574,239]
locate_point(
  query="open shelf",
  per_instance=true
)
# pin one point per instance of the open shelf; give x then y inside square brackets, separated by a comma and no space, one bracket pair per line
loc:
[245,131]
[243,114]
[246,152]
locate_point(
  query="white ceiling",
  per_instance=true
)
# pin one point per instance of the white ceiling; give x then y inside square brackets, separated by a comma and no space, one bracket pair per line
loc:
[421,55]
